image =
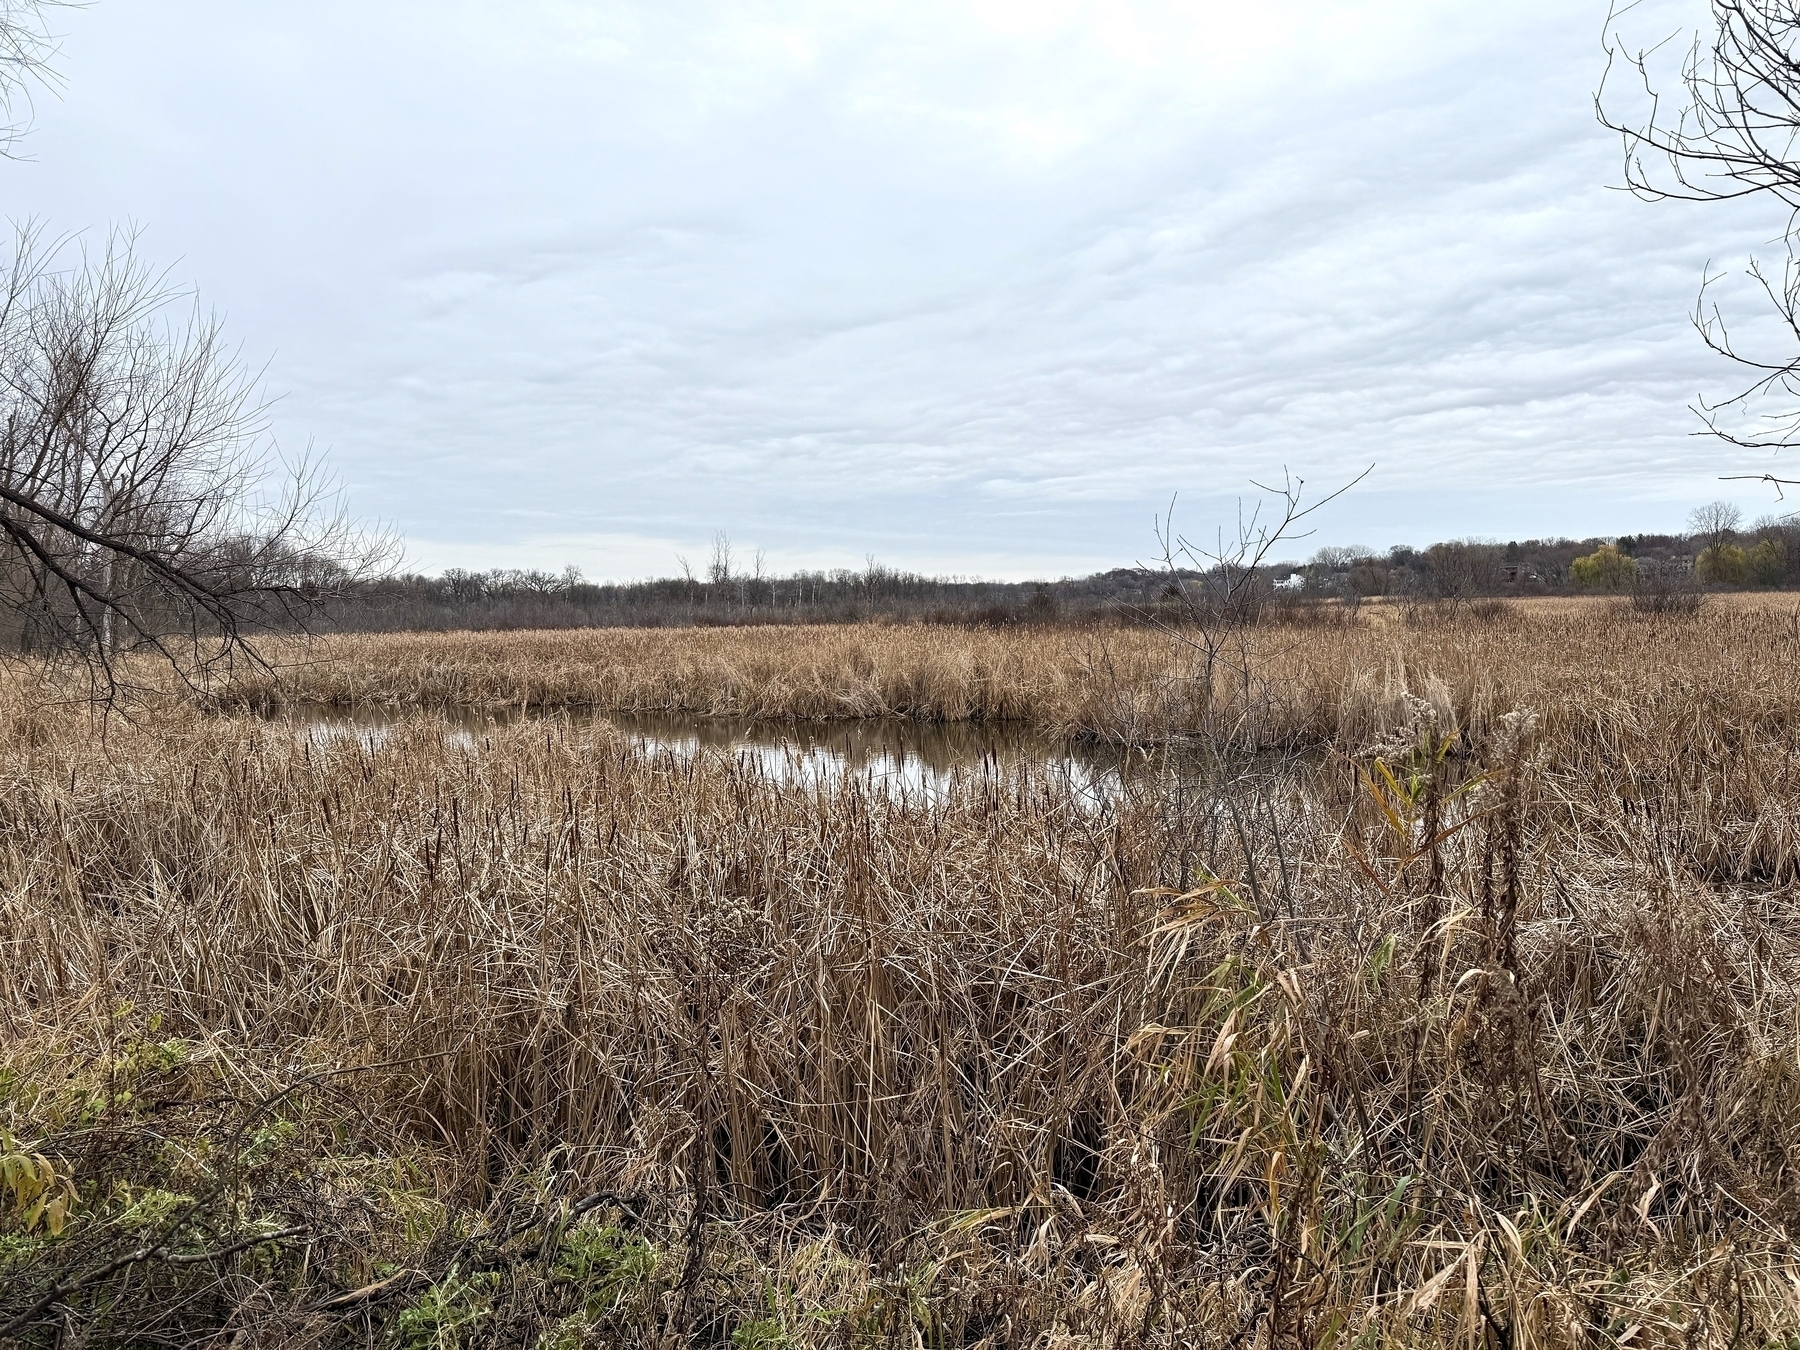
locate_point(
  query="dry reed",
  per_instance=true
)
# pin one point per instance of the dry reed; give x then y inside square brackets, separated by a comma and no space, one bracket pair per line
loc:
[1478,1029]
[1306,688]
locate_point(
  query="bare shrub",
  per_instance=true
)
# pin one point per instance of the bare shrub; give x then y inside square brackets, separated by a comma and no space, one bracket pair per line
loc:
[1285,611]
[1219,591]
[1666,593]
[1420,612]
[1492,609]
[1451,612]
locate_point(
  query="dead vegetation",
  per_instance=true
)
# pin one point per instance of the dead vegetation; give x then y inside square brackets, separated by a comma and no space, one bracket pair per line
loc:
[1476,1026]
[1273,684]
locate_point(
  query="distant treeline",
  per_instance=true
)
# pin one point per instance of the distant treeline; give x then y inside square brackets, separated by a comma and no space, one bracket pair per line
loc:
[1767,556]
[508,599]
[1719,556]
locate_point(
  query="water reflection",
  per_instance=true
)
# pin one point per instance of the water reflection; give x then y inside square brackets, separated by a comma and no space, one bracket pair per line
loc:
[910,758]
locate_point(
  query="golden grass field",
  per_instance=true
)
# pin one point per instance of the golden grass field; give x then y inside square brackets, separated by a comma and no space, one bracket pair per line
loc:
[1470,1022]
[1562,657]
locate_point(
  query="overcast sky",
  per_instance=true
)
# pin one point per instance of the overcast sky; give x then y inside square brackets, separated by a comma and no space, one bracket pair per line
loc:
[974,287]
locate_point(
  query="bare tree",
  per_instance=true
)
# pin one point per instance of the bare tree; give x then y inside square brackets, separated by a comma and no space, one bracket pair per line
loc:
[1735,135]
[1340,557]
[1461,569]
[1714,524]
[143,505]
[718,569]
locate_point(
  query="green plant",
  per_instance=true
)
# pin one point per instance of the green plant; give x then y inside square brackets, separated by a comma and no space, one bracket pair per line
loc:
[36,1193]
[610,1265]
[446,1311]
[761,1333]
[138,1208]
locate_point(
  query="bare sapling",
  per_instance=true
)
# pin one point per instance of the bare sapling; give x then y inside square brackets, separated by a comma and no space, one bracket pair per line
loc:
[1220,590]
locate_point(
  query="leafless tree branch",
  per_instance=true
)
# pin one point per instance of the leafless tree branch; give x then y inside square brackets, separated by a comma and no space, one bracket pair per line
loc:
[1734,135]
[27,47]
[1222,588]
[143,505]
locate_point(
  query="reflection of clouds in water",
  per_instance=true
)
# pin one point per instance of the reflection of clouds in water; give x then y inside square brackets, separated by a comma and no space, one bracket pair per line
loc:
[903,759]
[913,760]
[902,773]
[372,728]
[324,731]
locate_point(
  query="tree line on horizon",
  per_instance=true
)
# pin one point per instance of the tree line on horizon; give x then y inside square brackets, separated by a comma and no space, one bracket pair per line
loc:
[1718,552]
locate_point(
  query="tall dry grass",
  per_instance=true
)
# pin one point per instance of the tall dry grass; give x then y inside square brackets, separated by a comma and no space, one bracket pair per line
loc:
[1284,686]
[1479,1028]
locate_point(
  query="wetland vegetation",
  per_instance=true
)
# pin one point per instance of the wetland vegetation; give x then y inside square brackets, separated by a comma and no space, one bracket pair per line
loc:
[1391,950]
[1446,997]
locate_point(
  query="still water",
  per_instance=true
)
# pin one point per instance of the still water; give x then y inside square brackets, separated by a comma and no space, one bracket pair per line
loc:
[897,756]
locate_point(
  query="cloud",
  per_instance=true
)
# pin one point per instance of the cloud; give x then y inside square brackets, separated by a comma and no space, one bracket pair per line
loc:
[973,283]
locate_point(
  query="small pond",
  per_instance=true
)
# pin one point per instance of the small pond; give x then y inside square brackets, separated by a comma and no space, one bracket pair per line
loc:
[897,755]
